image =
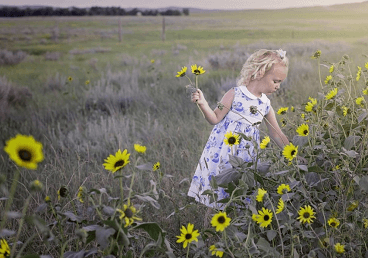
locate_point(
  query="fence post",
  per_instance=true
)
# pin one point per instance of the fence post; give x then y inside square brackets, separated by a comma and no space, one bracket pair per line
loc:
[163,29]
[120,30]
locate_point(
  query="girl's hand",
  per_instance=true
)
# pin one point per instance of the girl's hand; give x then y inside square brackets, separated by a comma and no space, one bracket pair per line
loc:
[197,97]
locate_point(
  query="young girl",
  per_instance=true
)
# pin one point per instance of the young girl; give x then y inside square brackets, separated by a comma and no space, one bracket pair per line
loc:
[262,74]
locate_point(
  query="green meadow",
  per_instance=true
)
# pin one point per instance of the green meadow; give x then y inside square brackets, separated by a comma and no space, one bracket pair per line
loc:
[71,84]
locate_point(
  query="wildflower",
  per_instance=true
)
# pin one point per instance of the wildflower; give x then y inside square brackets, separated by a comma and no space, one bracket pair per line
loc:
[82,191]
[70,78]
[331,94]
[333,222]
[4,249]
[187,235]
[366,65]
[156,166]
[292,109]
[283,122]
[339,248]
[345,110]
[316,55]
[306,214]
[260,194]
[282,189]
[47,198]
[365,223]
[231,139]
[36,186]
[62,192]
[215,251]
[265,142]
[365,91]
[302,115]
[182,72]
[280,206]
[197,70]
[359,101]
[220,221]
[282,110]
[139,148]
[332,68]
[264,217]
[128,214]
[152,61]
[328,78]
[87,82]
[310,105]
[290,151]
[25,151]
[353,206]
[303,130]
[358,73]
[120,160]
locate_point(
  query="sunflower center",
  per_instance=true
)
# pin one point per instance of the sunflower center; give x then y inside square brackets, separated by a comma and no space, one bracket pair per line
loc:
[25,155]
[197,71]
[129,213]
[306,215]
[292,153]
[119,163]
[221,219]
[305,132]
[231,140]
[266,218]
[333,224]
[188,236]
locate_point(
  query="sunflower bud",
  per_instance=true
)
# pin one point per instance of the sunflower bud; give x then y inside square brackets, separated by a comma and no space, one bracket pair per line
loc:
[63,192]
[36,186]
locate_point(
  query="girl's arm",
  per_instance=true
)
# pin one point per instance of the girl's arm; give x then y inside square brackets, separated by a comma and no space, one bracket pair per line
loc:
[274,129]
[213,116]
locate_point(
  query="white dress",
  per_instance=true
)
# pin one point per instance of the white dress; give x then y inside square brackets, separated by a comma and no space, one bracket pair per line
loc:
[215,156]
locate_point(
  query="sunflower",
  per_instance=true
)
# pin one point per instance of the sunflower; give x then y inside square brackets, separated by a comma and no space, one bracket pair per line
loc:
[328,78]
[220,221]
[359,101]
[283,122]
[366,65]
[187,235]
[358,73]
[345,110]
[260,194]
[306,214]
[331,94]
[332,68]
[62,192]
[353,205]
[333,222]
[215,251]
[231,139]
[139,148]
[280,206]
[282,110]
[365,223]
[290,151]
[152,61]
[156,166]
[120,160]
[282,189]
[70,78]
[87,82]
[4,249]
[365,91]
[47,198]
[128,214]
[303,130]
[339,248]
[25,151]
[265,142]
[316,55]
[292,109]
[197,70]
[82,191]
[310,105]
[182,72]
[264,217]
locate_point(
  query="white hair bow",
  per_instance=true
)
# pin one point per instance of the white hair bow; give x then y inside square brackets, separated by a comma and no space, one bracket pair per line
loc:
[282,53]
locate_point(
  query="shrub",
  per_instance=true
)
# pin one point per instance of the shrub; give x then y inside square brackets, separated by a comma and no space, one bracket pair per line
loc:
[10,58]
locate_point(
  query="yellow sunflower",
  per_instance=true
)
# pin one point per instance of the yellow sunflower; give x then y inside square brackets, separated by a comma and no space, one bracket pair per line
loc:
[331,94]
[290,151]
[303,130]
[62,192]
[156,166]
[282,110]
[310,105]
[128,214]
[265,142]
[332,68]
[339,248]
[345,110]
[187,235]
[306,214]
[139,148]
[215,251]
[365,91]
[359,101]
[366,65]
[328,78]
[260,194]
[231,139]
[365,223]
[25,151]
[82,192]
[316,55]
[283,122]
[152,61]
[283,188]
[220,221]
[292,109]
[182,72]
[197,70]
[280,206]
[264,217]
[4,249]
[70,78]
[120,160]
[353,205]
[87,82]
[47,198]
[333,222]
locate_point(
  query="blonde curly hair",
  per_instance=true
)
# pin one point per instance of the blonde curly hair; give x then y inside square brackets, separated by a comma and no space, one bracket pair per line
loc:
[259,63]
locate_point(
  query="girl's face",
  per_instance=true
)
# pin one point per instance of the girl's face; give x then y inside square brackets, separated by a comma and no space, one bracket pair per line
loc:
[272,79]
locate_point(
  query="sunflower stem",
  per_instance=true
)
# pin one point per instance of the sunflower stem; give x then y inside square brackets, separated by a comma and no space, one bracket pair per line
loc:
[121,188]
[226,244]
[25,244]
[278,226]
[188,250]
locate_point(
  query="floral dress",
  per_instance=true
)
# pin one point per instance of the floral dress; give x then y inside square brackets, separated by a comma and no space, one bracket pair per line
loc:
[215,156]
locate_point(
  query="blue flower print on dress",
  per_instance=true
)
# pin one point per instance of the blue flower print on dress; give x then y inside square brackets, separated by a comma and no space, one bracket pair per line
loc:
[215,157]
[238,107]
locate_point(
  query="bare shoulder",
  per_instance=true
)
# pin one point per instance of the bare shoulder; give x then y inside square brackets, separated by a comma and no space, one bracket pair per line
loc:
[229,96]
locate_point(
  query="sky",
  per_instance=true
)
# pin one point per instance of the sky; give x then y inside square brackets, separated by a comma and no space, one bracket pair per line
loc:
[202,4]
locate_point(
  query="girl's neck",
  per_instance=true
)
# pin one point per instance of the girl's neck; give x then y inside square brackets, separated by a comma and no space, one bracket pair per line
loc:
[253,88]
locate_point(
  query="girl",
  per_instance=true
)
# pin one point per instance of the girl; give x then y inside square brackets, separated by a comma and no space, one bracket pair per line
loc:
[262,74]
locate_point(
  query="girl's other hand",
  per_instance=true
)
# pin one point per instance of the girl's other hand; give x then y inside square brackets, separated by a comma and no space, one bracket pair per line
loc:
[197,97]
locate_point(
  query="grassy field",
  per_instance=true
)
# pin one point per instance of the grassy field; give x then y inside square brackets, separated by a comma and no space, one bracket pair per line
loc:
[132,100]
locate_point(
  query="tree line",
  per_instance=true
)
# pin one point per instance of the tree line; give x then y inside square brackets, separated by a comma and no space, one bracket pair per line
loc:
[12,11]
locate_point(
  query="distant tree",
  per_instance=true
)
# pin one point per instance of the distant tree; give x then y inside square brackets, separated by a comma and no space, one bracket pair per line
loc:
[186,11]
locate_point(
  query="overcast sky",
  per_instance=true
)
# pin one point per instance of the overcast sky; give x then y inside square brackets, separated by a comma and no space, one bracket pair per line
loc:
[203,4]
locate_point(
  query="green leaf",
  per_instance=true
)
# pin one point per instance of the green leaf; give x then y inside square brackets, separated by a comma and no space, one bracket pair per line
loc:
[31,256]
[102,236]
[308,234]
[316,169]
[152,228]
[363,183]
[300,140]
[227,176]
[351,141]
[271,234]
[263,167]
[6,233]
[70,215]
[236,161]
[149,199]
[362,116]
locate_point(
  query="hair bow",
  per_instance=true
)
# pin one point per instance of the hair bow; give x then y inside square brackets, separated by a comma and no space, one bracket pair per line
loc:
[282,53]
